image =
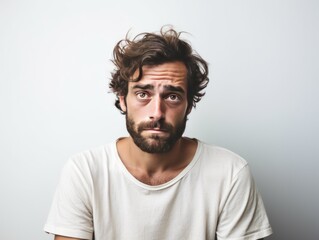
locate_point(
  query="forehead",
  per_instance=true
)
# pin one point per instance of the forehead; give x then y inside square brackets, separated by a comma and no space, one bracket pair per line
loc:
[174,73]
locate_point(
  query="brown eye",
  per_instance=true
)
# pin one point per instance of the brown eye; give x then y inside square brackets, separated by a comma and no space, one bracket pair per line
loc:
[142,95]
[173,98]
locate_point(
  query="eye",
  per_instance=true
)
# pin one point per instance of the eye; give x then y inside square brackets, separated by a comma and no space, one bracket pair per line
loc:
[173,98]
[142,95]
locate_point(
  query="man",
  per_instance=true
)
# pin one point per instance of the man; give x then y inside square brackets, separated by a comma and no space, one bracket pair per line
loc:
[156,184]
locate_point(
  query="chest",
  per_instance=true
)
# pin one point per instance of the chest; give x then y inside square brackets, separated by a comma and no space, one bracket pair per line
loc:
[155,179]
[181,211]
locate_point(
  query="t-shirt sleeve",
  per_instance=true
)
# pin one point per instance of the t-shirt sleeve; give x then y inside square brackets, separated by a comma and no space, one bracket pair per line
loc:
[71,210]
[243,216]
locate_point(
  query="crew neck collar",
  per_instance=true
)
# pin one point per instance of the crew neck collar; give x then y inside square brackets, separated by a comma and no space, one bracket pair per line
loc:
[164,185]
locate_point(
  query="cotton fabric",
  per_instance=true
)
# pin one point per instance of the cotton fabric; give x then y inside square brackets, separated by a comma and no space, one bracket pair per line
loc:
[215,195]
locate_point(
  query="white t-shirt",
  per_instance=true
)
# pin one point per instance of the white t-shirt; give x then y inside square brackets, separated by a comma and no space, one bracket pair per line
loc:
[97,198]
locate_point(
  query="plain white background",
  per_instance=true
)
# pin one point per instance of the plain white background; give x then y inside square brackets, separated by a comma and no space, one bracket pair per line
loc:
[262,101]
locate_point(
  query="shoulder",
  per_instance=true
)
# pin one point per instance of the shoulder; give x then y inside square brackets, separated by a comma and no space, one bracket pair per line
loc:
[92,160]
[220,166]
[221,157]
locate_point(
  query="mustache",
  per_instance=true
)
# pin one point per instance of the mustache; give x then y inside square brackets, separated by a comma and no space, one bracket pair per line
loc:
[155,124]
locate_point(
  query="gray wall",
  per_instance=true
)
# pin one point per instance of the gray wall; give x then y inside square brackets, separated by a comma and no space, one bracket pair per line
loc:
[262,101]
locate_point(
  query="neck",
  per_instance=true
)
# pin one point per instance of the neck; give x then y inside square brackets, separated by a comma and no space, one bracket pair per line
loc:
[155,162]
[155,169]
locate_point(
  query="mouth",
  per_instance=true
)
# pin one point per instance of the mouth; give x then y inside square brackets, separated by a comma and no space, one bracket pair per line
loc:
[155,130]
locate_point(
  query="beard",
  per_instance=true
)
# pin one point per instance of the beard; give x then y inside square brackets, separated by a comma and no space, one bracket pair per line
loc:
[155,143]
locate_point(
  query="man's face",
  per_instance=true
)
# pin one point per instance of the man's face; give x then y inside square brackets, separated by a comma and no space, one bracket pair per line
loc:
[156,107]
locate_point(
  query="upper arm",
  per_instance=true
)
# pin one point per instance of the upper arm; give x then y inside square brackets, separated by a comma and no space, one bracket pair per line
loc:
[243,211]
[71,210]
[57,237]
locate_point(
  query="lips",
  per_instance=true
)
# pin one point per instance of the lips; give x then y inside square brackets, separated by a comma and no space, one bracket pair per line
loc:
[155,129]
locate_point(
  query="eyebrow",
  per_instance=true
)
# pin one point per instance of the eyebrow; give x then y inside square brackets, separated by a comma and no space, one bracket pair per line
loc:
[166,87]
[174,88]
[143,86]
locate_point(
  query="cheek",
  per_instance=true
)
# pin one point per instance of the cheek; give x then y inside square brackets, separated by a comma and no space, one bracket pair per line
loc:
[184,110]
[137,113]
[177,115]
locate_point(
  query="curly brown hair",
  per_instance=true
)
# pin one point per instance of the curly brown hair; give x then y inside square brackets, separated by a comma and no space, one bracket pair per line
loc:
[154,49]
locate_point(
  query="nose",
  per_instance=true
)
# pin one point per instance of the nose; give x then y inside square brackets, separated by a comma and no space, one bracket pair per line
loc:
[157,111]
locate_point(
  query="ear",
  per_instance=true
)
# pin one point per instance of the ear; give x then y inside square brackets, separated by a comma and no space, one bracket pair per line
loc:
[122,103]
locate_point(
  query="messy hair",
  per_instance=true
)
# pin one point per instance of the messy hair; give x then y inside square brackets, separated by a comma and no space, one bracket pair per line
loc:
[155,49]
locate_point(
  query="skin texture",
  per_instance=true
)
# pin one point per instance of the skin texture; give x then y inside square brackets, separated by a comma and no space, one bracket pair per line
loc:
[65,238]
[158,105]
[154,104]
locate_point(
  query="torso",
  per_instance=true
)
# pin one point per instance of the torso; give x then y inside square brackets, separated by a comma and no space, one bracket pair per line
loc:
[97,188]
